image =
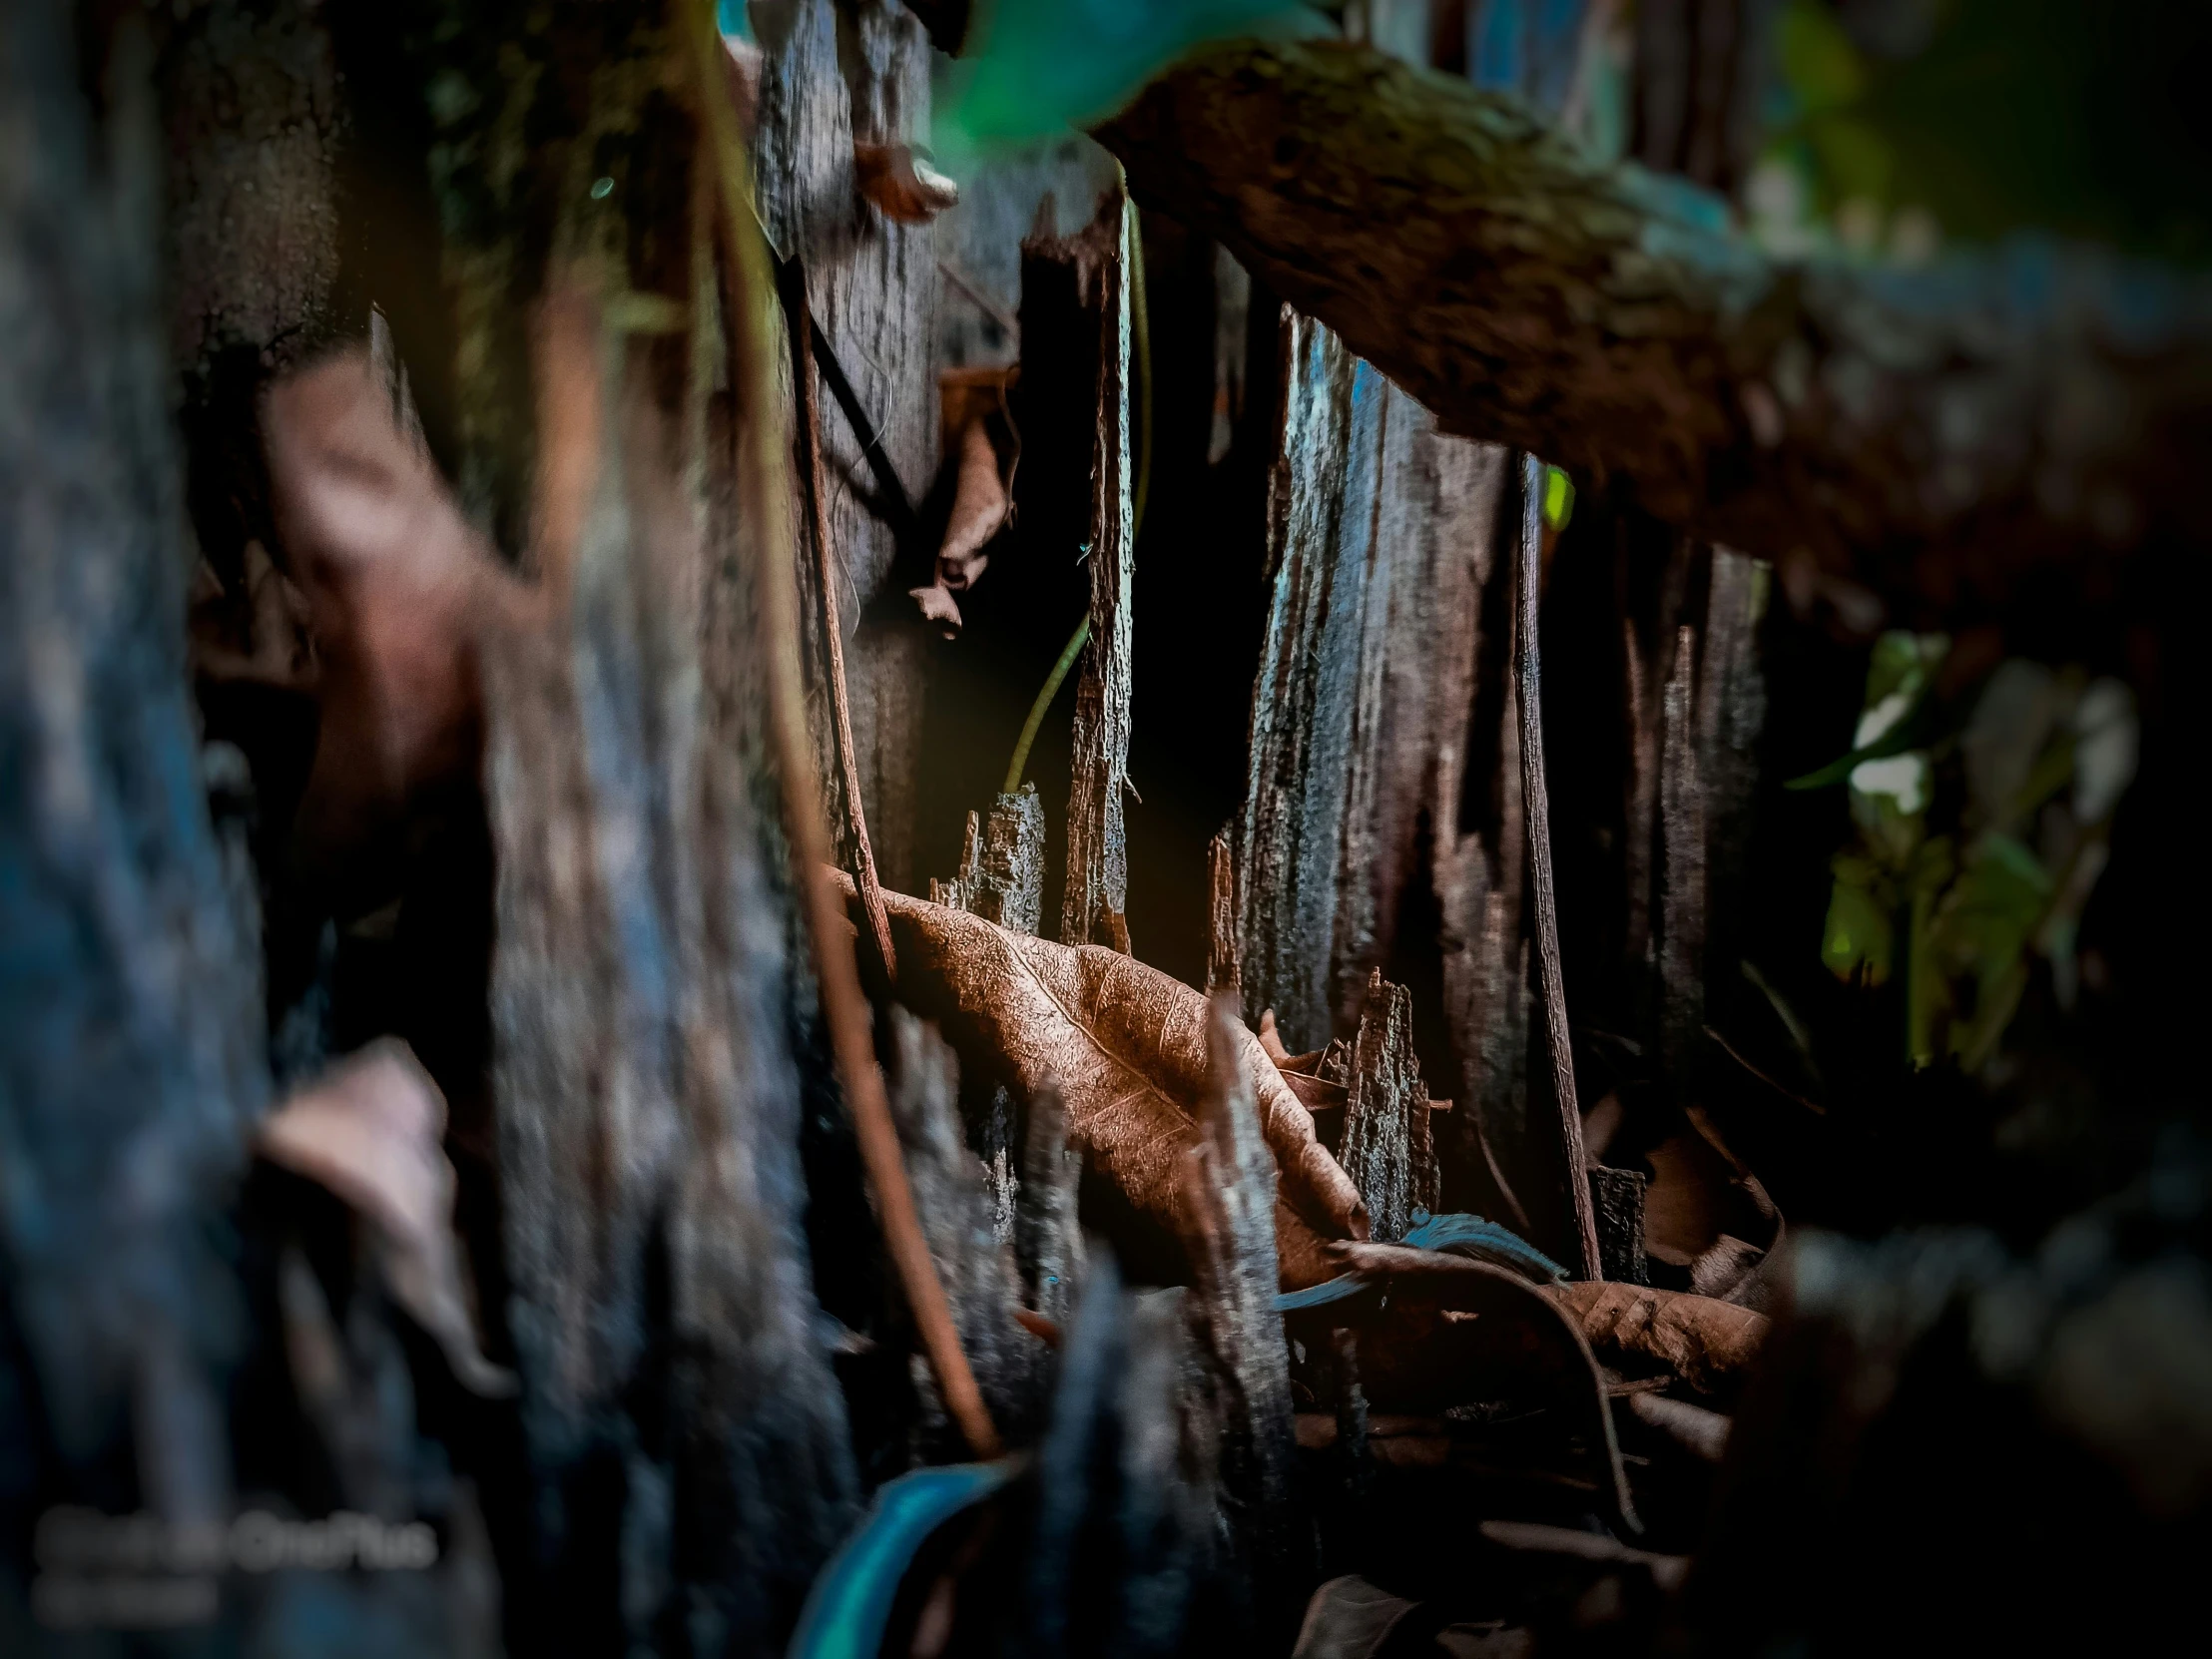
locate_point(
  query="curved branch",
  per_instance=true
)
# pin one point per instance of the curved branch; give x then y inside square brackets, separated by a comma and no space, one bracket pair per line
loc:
[1935,430]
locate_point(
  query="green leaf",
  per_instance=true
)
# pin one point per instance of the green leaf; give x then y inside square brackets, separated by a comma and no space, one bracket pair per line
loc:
[1558,499]
[1899,676]
[1858,935]
[1036,68]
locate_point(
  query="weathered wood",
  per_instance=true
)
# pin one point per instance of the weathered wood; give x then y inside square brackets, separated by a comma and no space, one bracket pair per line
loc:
[1617,1201]
[1897,421]
[1321,551]
[1001,879]
[131,1020]
[1229,1206]
[1682,897]
[976,1266]
[1002,875]
[1385,1144]
[1558,1036]
[1095,900]
[682,1418]
[1048,1241]
[872,290]
[1221,917]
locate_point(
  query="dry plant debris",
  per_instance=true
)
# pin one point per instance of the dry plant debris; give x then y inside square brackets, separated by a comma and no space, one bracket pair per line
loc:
[1126,1046]
[368,1131]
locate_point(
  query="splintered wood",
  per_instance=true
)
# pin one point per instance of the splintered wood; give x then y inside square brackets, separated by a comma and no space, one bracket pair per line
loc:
[1230,1204]
[1002,875]
[1001,879]
[1385,1147]
[1075,492]
[979,1270]
[1221,917]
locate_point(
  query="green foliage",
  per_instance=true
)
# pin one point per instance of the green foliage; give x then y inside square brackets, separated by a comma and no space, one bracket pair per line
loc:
[1038,67]
[1976,846]
[1996,116]
[1558,499]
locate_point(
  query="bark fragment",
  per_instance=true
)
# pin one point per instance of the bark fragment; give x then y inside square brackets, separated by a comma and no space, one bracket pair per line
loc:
[1386,1146]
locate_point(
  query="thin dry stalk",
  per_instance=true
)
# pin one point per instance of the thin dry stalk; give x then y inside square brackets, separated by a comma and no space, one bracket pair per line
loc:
[826,571]
[1529,581]
[759,451]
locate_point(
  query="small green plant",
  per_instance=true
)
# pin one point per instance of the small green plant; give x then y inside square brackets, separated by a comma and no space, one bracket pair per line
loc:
[1978,840]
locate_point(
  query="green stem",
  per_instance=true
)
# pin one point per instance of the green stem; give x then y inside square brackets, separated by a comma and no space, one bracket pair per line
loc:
[1140,331]
[1076,642]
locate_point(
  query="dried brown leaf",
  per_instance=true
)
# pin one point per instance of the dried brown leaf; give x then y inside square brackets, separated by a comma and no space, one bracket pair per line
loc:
[1703,1342]
[901,184]
[979,507]
[397,586]
[369,1131]
[1126,1046]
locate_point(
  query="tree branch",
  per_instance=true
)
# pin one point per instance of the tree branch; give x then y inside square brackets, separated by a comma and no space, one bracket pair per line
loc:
[1937,432]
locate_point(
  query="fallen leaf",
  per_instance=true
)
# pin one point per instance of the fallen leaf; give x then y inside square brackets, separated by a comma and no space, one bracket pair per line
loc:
[938,605]
[1703,1342]
[1350,1618]
[979,507]
[397,585]
[1126,1046]
[901,184]
[369,1131]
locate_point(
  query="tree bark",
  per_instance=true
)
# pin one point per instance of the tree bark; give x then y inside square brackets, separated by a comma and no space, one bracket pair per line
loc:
[1940,431]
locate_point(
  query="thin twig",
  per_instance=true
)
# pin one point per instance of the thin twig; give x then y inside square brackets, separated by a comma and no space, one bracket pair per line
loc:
[1529,582]
[817,491]
[749,282]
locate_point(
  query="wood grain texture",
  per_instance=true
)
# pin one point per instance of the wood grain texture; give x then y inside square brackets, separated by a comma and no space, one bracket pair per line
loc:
[872,290]
[1302,758]
[1386,1146]
[1908,424]
[1221,973]
[978,1269]
[1095,900]
[1002,875]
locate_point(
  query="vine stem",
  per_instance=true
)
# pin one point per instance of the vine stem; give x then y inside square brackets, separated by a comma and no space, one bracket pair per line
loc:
[747,285]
